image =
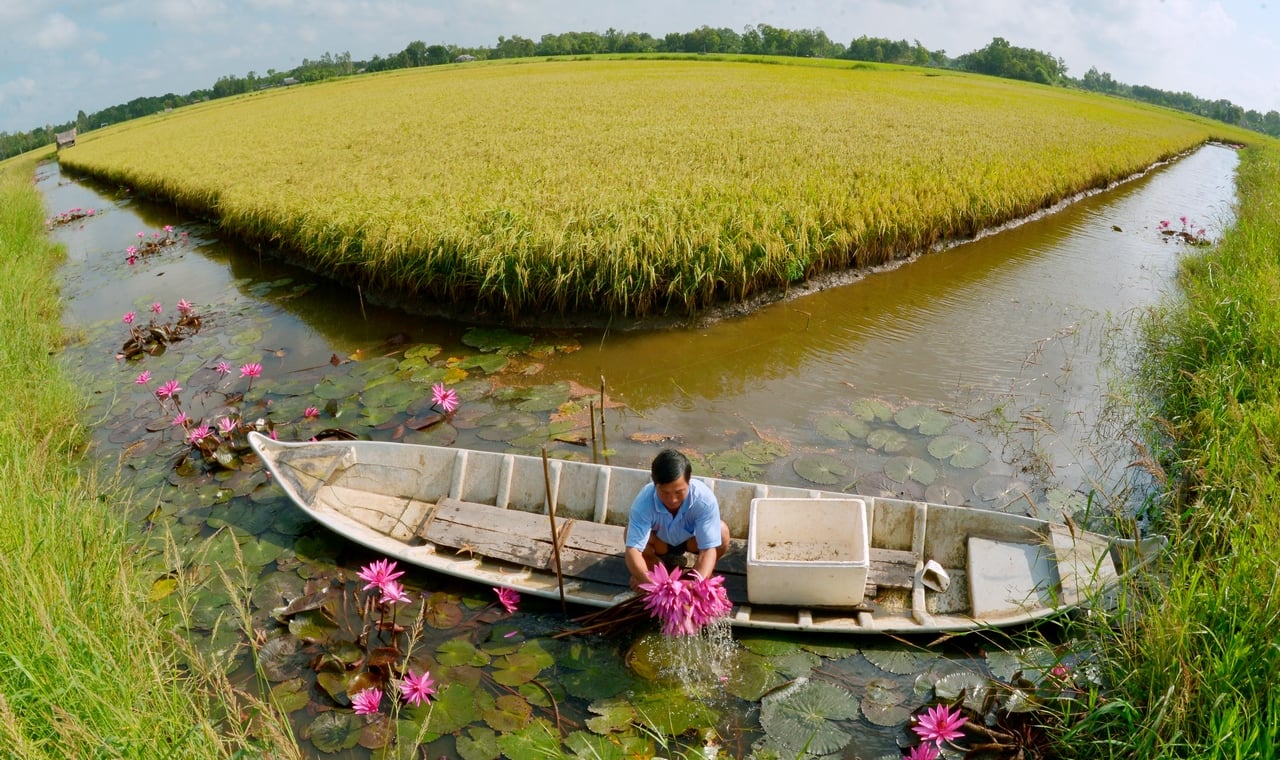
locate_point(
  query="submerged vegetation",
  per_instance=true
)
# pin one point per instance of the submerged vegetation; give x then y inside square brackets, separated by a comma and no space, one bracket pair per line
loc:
[628,187]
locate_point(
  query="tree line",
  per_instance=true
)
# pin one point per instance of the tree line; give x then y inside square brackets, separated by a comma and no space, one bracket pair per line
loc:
[999,58]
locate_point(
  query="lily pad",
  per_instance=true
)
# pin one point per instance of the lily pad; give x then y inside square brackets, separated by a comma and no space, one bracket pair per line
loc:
[611,715]
[752,677]
[281,659]
[478,743]
[903,468]
[461,651]
[291,696]
[734,464]
[537,741]
[545,398]
[335,387]
[423,351]
[383,365]
[842,428]
[899,661]
[594,674]
[959,452]
[670,712]
[822,469]
[802,717]
[871,410]
[496,339]
[999,489]
[397,395]
[510,712]
[763,452]
[487,363]
[455,707]
[515,669]
[926,420]
[587,746]
[334,731]
[886,440]
[941,493]
[506,426]
[974,687]
[883,704]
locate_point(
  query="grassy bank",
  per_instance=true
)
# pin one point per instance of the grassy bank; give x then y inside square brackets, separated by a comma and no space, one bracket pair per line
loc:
[84,672]
[628,186]
[1195,677]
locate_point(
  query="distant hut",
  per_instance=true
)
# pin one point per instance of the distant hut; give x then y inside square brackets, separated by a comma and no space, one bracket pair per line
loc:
[66,139]
[464,58]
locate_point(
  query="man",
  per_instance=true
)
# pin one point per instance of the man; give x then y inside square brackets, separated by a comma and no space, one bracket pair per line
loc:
[672,515]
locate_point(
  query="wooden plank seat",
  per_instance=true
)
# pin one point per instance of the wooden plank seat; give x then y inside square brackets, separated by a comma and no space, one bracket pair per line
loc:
[593,551]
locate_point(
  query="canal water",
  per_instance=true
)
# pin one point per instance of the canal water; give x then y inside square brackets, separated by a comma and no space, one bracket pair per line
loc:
[1016,340]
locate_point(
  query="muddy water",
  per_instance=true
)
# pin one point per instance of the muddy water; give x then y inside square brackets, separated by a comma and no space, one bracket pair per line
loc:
[1016,336]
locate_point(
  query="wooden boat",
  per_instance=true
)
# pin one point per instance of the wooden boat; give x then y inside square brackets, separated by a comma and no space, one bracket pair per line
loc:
[482,516]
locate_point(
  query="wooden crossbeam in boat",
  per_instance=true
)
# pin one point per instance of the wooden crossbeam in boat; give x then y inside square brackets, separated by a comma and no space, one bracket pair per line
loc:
[593,551]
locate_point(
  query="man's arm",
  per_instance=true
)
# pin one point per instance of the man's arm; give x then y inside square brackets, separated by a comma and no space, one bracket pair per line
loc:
[636,565]
[705,565]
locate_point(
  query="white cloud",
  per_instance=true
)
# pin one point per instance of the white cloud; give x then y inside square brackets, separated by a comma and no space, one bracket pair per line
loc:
[57,32]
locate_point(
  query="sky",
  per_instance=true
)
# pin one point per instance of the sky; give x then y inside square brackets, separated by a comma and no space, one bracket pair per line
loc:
[57,58]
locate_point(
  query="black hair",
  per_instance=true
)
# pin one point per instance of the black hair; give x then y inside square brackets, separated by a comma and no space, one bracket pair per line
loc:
[669,466]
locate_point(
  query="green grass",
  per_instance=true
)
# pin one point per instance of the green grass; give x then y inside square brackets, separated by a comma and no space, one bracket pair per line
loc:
[84,672]
[1194,677]
[628,186]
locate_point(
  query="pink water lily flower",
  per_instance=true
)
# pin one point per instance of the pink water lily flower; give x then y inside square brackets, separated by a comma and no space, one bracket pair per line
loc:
[128,317]
[223,368]
[141,235]
[939,724]
[924,751]
[168,228]
[156,308]
[708,600]
[143,378]
[227,425]
[169,389]
[181,420]
[416,689]
[508,598]
[378,573]
[310,413]
[393,593]
[669,599]
[184,306]
[366,702]
[198,434]
[445,398]
[131,250]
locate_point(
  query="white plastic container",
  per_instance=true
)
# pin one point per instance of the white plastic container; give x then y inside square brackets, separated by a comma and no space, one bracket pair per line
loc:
[808,552]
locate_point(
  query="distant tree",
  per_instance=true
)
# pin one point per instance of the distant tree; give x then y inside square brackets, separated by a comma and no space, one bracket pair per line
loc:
[1001,59]
[415,53]
[438,54]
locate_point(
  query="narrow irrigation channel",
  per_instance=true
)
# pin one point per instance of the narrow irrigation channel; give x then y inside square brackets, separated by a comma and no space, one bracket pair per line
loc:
[1011,341]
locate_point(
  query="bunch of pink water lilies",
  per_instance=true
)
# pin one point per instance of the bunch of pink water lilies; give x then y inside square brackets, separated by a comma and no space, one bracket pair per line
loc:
[684,606]
[154,336]
[1190,233]
[155,242]
[68,216]
[384,591]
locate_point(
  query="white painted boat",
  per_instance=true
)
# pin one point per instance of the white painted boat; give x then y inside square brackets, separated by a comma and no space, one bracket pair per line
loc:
[480,515]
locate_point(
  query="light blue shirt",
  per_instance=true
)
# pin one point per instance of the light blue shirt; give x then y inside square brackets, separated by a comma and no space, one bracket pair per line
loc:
[698,517]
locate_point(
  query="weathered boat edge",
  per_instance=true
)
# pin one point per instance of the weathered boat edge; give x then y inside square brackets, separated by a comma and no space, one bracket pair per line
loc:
[544,584]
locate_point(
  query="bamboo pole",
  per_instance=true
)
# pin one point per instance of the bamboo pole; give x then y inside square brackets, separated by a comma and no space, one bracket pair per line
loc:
[591,415]
[551,515]
[604,442]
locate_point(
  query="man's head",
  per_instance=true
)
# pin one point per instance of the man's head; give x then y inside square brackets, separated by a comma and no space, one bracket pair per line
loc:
[671,471]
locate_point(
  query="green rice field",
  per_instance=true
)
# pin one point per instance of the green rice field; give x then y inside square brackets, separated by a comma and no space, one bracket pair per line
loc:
[627,187]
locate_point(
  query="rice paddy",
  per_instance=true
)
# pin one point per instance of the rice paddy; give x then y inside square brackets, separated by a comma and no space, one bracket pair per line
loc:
[629,187]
